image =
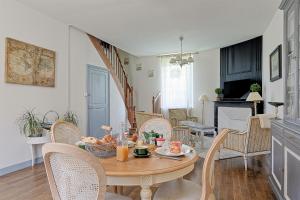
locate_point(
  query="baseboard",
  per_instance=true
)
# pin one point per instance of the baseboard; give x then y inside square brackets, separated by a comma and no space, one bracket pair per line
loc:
[275,189]
[19,166]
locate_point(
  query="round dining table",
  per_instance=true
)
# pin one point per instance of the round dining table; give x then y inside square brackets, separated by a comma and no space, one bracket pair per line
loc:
[146,172]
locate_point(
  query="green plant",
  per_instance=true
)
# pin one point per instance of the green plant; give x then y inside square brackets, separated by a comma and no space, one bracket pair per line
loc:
[255,87]
[71,117]
[30,124]
[218,91]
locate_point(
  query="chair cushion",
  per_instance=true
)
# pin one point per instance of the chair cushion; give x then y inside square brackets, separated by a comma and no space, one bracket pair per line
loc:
[179,189]
[113,196]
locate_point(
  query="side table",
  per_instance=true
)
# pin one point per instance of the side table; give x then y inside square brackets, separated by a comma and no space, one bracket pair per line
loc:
[34,141]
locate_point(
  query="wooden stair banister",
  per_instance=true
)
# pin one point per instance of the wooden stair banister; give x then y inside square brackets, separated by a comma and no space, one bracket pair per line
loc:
[111,59]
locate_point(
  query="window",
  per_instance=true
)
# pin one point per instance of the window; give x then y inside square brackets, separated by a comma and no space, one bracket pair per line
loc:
[177,85]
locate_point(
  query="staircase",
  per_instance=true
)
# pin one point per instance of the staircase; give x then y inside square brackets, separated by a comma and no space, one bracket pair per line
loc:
[111,59]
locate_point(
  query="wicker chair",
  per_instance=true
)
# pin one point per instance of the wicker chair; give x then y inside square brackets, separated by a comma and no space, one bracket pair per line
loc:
[65,132]
[141,117]
[182,189]
[158,125]
[75,174]
[254,141]
[180,114]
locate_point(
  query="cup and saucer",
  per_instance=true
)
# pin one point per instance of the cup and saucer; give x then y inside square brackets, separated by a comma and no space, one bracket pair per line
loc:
[141,152]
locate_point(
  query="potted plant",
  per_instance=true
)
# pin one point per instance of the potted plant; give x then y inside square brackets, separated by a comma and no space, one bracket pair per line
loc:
[255,87]
[71,117]
[219,92]
[30,126]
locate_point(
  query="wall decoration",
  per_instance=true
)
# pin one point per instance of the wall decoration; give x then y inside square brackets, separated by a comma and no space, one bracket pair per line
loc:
[151,73]
[138,67]
[126,61]
[28,64]
[275,64]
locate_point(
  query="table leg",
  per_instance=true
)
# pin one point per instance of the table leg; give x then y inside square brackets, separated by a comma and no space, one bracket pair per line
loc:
[201,139]
[32,155]
[146,192]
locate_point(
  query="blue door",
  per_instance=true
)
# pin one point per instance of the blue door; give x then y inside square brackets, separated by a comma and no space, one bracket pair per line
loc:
[98,100]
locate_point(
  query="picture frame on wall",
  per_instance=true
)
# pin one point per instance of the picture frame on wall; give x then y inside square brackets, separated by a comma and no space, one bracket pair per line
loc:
[276,64]
[27,64]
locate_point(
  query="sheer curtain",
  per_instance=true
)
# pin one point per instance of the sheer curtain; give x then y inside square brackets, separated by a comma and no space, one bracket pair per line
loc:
[177,85]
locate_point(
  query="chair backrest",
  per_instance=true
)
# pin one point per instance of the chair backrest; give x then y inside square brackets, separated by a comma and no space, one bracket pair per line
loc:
[183,134]
[208,166]
[142,117]
[158,125]
[178,113]
[73,173]
[258,139]
[65,132]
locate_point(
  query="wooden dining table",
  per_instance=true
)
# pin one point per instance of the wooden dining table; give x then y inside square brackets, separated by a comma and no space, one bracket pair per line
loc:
[146,172]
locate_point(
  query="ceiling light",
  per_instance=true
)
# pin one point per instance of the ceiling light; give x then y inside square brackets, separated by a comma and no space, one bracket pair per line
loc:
[178,59]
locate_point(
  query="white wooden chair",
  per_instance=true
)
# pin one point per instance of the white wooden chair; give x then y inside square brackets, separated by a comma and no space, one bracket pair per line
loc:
[182,189]
[255,141]
[65,132]
[158,125]
[75,174]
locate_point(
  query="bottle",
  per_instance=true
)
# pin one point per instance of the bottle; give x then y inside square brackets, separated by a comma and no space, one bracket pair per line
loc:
[122,147]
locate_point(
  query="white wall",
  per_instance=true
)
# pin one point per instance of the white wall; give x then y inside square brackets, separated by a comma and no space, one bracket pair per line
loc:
[206,79]
[144,87]
[19,22]
[22,23]
[273,36]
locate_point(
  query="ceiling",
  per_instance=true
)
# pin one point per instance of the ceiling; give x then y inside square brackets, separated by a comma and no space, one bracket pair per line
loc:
[153,27]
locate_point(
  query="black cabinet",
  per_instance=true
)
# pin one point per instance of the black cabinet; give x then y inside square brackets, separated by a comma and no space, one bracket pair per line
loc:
[241,61]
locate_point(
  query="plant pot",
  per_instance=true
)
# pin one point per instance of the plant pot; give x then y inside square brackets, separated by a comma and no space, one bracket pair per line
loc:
[219,97]
[44,138]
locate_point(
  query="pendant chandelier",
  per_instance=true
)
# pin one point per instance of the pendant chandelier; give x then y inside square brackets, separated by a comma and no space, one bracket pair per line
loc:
[178,59]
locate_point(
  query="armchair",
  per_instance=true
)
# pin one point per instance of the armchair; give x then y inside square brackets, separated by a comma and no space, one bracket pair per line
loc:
[180,114]
[252,142]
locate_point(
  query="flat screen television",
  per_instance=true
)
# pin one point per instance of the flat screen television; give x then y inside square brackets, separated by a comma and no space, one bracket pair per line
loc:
[237,89]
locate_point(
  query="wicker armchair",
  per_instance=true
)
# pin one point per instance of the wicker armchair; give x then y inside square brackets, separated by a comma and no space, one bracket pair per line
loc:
[65,132]
[180,114]
[142,117]
[75,174]
[254,141]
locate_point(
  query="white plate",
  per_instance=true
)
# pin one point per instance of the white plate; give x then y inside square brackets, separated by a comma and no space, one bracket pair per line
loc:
[165,151]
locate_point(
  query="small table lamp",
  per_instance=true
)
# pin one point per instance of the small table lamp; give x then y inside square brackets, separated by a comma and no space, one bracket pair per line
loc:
[256,98]
[203,98]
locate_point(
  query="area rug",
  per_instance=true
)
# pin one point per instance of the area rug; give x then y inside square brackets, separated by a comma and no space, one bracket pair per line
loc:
[224,153]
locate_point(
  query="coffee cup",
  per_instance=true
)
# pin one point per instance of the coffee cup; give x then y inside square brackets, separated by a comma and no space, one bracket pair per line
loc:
[141,150]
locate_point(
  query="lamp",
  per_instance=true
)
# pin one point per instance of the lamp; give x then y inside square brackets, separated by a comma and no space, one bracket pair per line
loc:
[256,98]
[179,60]
[203,98]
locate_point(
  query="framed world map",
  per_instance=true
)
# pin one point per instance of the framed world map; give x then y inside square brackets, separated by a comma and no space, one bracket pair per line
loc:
[28,64]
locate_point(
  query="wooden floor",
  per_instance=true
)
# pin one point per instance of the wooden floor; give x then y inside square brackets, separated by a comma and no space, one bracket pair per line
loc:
[232,182]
